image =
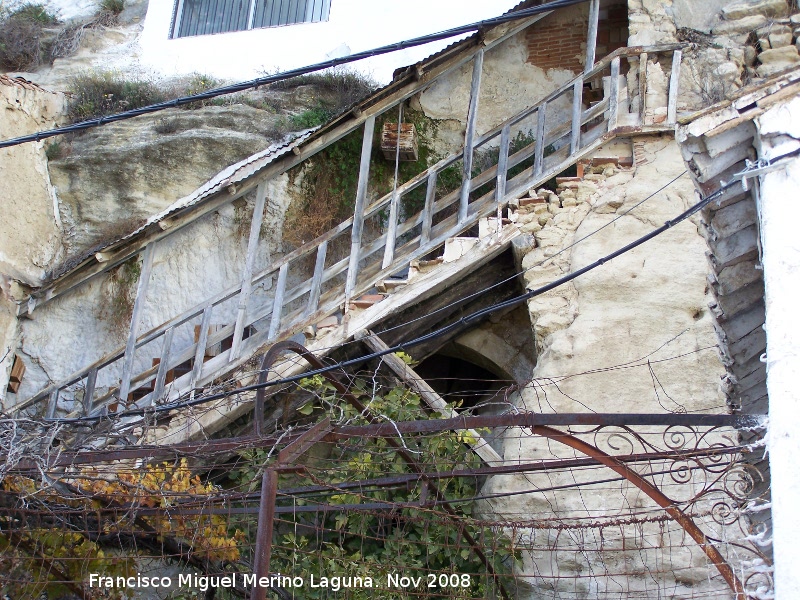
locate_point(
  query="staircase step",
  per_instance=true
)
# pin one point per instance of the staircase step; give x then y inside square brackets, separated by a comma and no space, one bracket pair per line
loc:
[456,247]
[366,300]
[388,286]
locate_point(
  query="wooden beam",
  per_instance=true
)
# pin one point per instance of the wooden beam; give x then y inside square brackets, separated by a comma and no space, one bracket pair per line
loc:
[502,170]
[277,301]
[138,306]
[200,349]
[591,37]
[88,391]
[577,110]
[316,280]
[247,273]
[469,135]
[541,118]
[427,215]
[642,87]
[674,79]
[163,365]
[613,93]
[358,211]
[475,441]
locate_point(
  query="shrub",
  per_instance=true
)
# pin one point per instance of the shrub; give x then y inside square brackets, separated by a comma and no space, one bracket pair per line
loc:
[99,93]
[345,87]
[112,6]
[21,45]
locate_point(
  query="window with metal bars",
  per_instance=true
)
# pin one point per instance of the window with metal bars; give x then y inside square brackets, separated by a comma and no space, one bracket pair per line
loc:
[202,17]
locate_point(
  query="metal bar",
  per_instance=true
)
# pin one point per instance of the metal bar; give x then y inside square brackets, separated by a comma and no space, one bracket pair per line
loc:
[642,87]
[251,14]
[138,306]
[358,211]
[674,80]
[88,392]
[163,365]
[266,519]
[685,521]
[277,301]
[247,273]
[316,280]
[302,444]
[469,135]
[200,351]
[591,37]
[530,419]
[541,117]
[577,109]
[427,213]
[502,170]
[613,92]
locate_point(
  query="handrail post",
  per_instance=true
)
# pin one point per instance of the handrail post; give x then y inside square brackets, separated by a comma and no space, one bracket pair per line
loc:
[427,216]
[502,170]
[538,159]
[577,111]
[469,135]
[247,273]
[674,79]
[613,93]
[591,36]
[358,211]
[138,305]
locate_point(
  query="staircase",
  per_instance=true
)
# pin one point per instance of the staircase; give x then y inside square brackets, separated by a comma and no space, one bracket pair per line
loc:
[380,240]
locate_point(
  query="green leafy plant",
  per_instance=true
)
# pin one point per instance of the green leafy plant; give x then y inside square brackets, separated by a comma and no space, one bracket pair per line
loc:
[363,543]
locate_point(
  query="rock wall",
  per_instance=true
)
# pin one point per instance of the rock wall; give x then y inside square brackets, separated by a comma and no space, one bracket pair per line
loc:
[114,177]
[30,229]
[645,311]
[203,259]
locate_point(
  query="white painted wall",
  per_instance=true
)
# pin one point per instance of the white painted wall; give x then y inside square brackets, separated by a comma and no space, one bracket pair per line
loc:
[354,24]
[779,130]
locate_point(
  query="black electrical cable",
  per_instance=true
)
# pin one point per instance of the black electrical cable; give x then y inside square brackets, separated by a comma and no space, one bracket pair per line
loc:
[429,336]
[255,83]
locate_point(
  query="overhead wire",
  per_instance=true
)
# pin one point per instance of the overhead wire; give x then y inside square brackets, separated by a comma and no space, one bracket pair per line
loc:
[420,339]
[282,76]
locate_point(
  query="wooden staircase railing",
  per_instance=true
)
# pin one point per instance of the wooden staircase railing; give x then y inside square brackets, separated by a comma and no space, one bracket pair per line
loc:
[376,242]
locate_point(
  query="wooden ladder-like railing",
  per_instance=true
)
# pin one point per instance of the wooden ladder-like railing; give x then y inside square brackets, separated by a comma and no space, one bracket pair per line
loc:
[377,241]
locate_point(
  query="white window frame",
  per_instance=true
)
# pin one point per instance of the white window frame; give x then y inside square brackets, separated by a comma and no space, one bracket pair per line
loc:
[320,11]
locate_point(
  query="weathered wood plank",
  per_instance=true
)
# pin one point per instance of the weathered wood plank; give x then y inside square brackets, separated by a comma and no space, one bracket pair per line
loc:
[642,87]
[88,391]
[577,110]
[52,404]
[138,306]
[358,211]
[427,212]
[469,135]
[277,302]
[200,350]
[591,37]
[316,280]
[613,92]
[541,117]
[247,273]
[391,234]
[502,169]
[163,365]
[674,79]
[479,445]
